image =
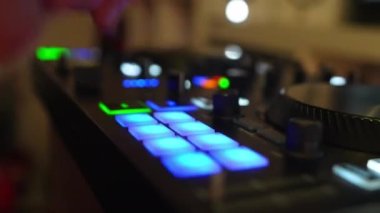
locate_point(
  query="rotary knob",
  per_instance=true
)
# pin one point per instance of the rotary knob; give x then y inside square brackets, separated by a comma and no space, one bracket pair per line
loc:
[304,139]
[226,104]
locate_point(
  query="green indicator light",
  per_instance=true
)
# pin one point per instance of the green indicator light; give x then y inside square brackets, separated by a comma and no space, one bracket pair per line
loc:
[124,105]
[51,53]
[110,112]
[224,83]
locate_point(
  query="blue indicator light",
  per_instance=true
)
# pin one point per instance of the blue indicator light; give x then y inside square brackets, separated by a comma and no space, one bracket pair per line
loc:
[191,128]
[168,146]
[172,117]
[183,108]
[190,165]
[153,82]
[212,141]
[84,54]
[241,158]
[150,131]
[135,119]
[171,103]
[199,80]
[141,83]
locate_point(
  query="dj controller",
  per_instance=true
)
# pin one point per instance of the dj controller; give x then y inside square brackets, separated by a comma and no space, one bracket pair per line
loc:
[177,133]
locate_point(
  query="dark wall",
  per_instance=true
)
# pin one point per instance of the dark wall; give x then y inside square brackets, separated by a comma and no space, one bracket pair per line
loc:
[365,12]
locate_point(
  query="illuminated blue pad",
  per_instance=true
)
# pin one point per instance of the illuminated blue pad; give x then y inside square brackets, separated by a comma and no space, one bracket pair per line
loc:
[168,146]
[172,117]
[240,158]
[135,120]
[191,128]
[212,141]
[150,131]
[188,165]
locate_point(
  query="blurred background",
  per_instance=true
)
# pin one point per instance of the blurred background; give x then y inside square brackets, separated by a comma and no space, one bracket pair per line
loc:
[341,37]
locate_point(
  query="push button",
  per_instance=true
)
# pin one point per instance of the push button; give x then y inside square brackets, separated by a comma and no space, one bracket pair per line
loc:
[190,165]
[172,117]
[191,128]
[150,131]
[240,158]
[168,146]
[212,141]
[135,120]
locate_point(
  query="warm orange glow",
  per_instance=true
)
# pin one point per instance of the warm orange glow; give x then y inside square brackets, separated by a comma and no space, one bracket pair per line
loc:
[210,84]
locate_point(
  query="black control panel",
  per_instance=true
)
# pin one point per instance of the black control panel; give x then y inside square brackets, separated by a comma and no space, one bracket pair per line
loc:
[186,134]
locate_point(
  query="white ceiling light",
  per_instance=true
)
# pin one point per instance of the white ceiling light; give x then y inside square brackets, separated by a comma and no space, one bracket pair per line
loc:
[237,11]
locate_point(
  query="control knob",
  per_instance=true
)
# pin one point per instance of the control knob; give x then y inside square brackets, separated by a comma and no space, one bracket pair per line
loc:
[226,104]
[304,139]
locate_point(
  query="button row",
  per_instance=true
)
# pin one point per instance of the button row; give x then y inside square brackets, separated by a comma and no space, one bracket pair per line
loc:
[201,153]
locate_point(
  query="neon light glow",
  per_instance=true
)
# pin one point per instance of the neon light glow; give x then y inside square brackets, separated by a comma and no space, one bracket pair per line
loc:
[199,80]
[190,165]
[241,158]
[191,128]
[211,82]
[168,146]
[135,120]
[202,103]
[172,117]
[112,112]
[150,131]
[130,69]
[124,105]
[233,52]
[338,81]
[224,83]
[183,108]
[141,83]
[171,103]
[244,101]
[155,70]
[212,141]
[187,84]
[84,54]
[374,165]
[51,53]
[357,176]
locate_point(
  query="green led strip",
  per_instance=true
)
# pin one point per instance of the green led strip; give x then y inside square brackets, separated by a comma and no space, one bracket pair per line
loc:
[51,53]
[110,112]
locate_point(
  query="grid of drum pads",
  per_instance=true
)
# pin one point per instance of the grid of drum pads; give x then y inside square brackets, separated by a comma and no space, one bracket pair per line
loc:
[189,148]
